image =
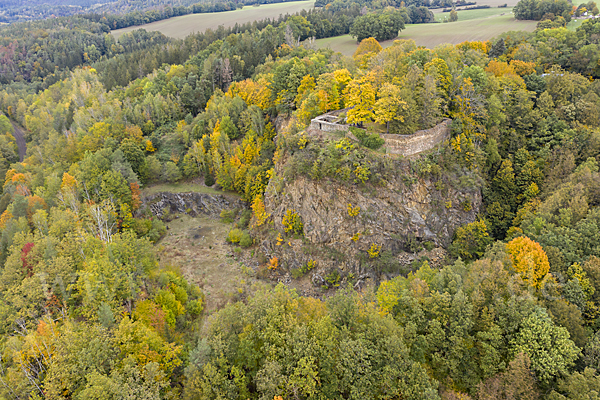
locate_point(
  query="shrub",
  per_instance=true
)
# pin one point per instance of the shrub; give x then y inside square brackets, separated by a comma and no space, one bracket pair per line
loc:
[372,141]
[235,235]
[332,279]
[374,250]
[227,216]
[353,211]
[246,239]
[292,223]
[245,219]
[300,272]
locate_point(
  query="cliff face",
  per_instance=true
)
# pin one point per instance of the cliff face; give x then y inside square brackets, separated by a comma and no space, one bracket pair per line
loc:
[342,221]
[193,204]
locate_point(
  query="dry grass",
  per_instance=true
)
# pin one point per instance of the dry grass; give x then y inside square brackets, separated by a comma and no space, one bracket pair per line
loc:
[181,27]
[198,248]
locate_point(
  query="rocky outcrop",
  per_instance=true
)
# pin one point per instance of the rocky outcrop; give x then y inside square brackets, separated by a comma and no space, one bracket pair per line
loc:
[191,203]
[400,217]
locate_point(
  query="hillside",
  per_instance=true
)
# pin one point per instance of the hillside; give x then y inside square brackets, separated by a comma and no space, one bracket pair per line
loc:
[241,215]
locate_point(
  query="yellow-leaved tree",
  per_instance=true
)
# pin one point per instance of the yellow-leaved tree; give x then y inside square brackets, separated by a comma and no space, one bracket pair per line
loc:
[529,260]
[360,95]
[367,49]
[390,105]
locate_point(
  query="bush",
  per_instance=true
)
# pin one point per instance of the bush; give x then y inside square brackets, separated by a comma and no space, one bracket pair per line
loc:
[171,172]
[292,223]
[245,219]
[227,216]
[235,235]
[372,141]
[246,239]
[300,272]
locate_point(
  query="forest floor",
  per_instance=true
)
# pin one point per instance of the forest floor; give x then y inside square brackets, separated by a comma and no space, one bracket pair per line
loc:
[181,27]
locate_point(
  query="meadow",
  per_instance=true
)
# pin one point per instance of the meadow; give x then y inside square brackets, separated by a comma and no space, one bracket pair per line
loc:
[483,24]
[181,27]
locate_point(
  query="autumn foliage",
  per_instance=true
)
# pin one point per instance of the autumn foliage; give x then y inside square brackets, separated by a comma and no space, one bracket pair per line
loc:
[529,260]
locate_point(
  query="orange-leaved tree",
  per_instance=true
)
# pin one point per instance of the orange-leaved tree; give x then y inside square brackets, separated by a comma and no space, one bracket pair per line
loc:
[529,260]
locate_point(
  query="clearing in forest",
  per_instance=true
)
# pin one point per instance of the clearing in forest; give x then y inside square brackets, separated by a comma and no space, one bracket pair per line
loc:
[198,248]
[181,27]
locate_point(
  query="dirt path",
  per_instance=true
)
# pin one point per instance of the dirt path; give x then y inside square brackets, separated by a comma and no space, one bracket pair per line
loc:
[20,137]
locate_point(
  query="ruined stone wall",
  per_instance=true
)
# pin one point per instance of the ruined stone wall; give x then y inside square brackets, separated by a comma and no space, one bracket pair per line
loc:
[405,145]
[324,123]
[419,141]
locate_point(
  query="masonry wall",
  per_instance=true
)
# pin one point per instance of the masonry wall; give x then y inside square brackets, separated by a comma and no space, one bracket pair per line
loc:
[419,141]
[327,126]
[405,145]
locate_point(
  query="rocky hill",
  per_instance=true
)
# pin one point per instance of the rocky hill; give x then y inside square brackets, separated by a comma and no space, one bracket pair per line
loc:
[406,211]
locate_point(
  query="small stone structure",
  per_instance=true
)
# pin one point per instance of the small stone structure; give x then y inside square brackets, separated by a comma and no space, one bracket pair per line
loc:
[330,122]
[405,145]
[419,141]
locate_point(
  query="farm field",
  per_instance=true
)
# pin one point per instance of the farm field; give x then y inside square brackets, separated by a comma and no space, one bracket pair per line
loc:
[481,24]
[180,27]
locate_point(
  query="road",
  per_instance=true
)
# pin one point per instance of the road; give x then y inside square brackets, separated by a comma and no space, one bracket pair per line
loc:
[20,137]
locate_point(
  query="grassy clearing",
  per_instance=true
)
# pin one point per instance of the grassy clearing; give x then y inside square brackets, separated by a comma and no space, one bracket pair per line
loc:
[181,27]
[472,25]
[197,247]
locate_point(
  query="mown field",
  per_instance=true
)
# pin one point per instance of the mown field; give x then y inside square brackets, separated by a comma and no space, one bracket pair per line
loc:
[481,24]
[180,27]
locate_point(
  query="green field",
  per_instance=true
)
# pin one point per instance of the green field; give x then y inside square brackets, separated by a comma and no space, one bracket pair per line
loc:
[472,25]
[180,27]
[467,15]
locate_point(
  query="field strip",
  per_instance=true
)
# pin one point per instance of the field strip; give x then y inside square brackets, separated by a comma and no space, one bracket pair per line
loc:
[181,27]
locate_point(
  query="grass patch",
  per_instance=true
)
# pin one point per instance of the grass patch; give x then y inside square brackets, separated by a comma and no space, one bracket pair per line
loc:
[468,15]
[197,246]
[431,35]
[182,26]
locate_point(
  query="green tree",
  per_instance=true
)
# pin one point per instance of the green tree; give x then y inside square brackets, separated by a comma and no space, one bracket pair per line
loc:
[470,241]
[551,351]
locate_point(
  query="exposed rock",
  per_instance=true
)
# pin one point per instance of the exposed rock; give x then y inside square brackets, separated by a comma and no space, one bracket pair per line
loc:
[398,217]
[191,203]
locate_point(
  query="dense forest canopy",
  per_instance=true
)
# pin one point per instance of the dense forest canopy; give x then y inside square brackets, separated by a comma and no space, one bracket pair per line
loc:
[89,308]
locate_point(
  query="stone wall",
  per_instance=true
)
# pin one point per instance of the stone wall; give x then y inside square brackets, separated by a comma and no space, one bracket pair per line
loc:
[326,122]
[405,145]
[419,141]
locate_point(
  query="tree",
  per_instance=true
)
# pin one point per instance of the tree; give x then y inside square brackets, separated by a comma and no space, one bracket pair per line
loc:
[389,105]
[367,49]
[453,15]
[470,241]
[517,382]
[529,260]
[383,26]
[551,351]
[360,95]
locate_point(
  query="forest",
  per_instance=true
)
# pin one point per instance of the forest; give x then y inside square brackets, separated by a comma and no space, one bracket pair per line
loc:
[90,309]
